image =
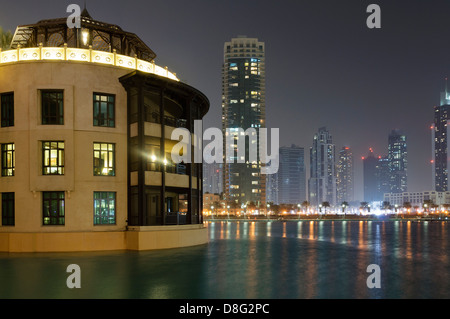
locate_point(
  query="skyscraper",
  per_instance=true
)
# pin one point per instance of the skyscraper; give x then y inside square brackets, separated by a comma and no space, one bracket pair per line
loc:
[272,188]
[383,177]
[370,163]
[439,143]
[344,175]
[291,175]
[212,178]
[398,162]
[243,107]
[322,181]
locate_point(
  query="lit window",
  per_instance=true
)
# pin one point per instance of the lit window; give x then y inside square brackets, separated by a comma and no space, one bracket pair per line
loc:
[104,110]
[53,158]
[8,159]
[104,208]
[53,208]
[52,103]
[104,159]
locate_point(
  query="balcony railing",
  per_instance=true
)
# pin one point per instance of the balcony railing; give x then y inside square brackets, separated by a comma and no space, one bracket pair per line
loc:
[155,117]
[65,53]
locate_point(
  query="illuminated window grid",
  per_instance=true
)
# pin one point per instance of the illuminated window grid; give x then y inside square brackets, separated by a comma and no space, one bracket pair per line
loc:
[104,159]
[53,157]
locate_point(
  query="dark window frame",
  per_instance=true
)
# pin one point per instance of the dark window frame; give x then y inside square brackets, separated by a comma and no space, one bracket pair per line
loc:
[101,119]
[47,169]
[100,218]
[56,200]
[8,209]
[8,170]
[7,109]
[50,116]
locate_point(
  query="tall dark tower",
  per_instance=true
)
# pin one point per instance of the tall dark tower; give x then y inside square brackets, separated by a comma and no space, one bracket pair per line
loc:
[439,143]
[344,175]
[398,162]
[322,181]
[370,177]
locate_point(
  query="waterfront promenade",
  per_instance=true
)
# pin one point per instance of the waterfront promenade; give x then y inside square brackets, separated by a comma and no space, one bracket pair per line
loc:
[356,217]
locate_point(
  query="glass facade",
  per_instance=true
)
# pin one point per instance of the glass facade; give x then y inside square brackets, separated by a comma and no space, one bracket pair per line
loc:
[166,199]
[291,175]
[322,182]
[398,162]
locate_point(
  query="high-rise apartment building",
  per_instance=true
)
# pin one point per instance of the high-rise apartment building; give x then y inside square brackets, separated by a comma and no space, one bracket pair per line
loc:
[322,181]
[344,175]
[398,162]
[439,144]
[243,107]
[272,188]
[212,178]
[291,175]
[383,176]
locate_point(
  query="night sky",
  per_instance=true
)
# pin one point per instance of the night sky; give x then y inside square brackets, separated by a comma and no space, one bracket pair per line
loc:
[324,67]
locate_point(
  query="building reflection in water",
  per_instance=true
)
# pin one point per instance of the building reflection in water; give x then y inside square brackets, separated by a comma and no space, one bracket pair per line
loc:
[296,259]
[311,230]
[299,229]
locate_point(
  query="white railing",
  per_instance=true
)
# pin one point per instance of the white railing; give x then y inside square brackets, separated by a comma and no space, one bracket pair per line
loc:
[84,55]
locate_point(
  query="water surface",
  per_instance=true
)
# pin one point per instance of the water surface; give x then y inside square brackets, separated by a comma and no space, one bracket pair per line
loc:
[292,259]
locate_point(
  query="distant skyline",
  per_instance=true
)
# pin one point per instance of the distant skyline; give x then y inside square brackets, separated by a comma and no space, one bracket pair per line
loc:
[324,67]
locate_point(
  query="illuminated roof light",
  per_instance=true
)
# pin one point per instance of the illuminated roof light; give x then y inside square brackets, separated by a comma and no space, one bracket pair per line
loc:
[85,36]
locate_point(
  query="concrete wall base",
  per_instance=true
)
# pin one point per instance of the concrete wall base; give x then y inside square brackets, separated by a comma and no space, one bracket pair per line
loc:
[135,238]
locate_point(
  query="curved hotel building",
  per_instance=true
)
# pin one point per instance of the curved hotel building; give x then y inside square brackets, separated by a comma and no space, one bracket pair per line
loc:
[86,121]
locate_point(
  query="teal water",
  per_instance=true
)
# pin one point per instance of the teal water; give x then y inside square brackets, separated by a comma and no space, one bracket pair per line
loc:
[293,259]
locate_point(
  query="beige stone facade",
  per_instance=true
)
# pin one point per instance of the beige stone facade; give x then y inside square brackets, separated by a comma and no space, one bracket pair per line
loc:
[78,81]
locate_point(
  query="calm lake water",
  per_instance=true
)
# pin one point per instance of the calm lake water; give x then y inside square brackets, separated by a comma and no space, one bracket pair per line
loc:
[292,259]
